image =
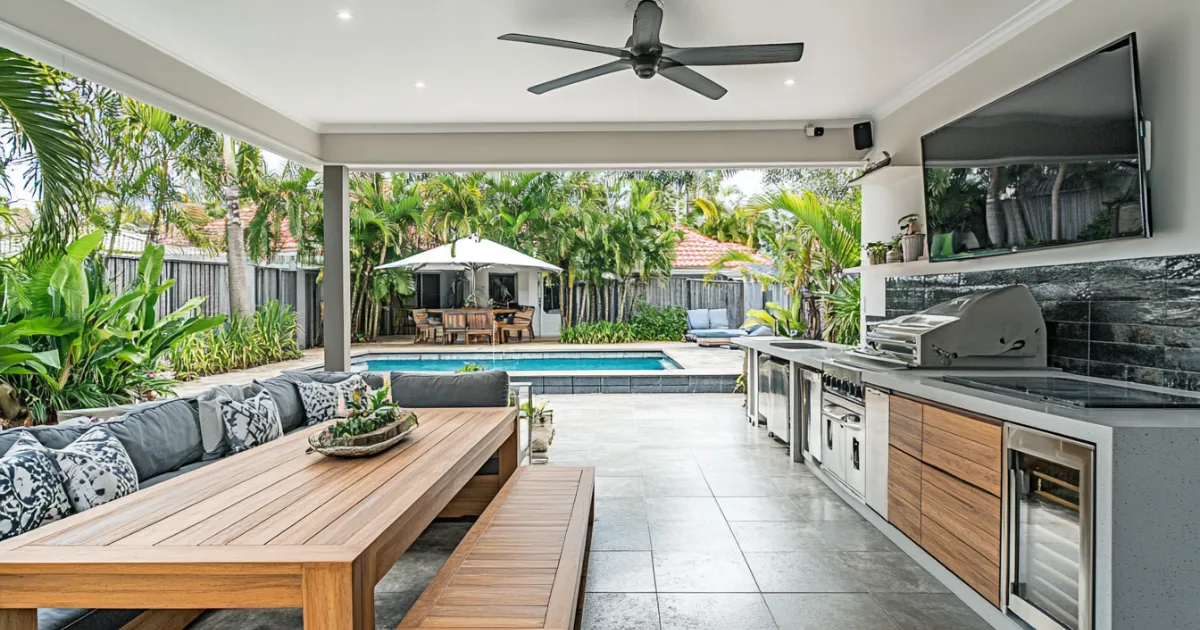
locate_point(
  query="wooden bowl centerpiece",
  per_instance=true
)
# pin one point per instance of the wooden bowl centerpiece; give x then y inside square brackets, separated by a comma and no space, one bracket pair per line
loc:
[373,425]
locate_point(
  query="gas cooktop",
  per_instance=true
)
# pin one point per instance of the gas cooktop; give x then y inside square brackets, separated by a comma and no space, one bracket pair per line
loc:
[1072,392]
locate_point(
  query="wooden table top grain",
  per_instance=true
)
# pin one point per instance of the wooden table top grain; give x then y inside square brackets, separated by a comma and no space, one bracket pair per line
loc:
[272,527]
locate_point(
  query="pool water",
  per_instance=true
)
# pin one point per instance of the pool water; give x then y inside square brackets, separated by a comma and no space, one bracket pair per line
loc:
[546,362]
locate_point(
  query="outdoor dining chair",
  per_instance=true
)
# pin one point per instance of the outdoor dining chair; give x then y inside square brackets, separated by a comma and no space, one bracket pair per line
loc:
[522,323]
[426,329]
[481,324]
[454,323]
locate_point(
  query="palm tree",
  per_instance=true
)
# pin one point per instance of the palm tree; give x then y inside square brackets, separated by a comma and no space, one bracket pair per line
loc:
[38,131]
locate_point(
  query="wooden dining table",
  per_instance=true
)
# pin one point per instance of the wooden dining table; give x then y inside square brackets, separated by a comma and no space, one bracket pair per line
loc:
[273,527]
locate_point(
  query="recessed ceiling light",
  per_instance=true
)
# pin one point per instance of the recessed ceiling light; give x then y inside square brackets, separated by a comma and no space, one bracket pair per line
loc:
[790,82]
[420,85]
[344,15]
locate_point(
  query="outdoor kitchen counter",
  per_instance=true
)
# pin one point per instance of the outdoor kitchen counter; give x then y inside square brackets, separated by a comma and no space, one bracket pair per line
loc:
[809,358]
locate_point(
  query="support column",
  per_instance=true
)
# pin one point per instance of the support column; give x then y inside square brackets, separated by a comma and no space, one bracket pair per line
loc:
[336,282]
[302,304]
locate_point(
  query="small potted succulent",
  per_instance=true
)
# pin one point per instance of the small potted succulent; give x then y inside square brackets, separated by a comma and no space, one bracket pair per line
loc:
[877,253]
[894,254]
[541,421]
[373,425]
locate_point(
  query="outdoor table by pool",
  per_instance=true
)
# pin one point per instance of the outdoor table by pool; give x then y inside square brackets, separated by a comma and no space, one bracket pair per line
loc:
[273,527]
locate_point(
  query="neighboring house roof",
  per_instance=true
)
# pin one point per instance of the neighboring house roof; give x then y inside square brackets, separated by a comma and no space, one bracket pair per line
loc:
[215,230]
[697,251]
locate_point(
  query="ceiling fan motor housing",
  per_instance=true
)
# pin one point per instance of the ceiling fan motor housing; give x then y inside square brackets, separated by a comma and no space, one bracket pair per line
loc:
[646,66]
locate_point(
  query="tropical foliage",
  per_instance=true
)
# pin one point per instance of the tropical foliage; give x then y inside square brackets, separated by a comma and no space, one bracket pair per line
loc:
[70,339]
[268,336]
[651,323]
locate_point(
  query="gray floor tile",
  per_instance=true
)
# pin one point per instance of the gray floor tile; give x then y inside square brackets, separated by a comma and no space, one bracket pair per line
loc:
[759,509]
[691,536]
[390,608]
[676,486]
[841,535]
[614,535]
[930,611]
[891,572]
[620,572]
[620,611]
[802,485]
[251,619]
[742,486]
[413,571]
[826,611]
[714,611]
[443,536]
[611,487]
[699,572]
[826,509]
[620,509]
[808,571]
[690,509]
[776,536]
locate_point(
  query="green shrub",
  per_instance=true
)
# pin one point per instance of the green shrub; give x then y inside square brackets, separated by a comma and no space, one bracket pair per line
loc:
[470,367]
[267,337]
[659,323]
[598,332]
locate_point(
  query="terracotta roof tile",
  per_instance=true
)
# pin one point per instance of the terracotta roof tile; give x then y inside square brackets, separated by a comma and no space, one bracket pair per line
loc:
[698,251]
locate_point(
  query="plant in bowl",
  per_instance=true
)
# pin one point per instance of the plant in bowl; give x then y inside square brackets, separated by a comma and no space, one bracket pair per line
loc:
[470,367]
[373,425]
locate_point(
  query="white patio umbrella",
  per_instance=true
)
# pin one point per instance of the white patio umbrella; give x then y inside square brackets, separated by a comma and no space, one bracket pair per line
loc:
[471,254]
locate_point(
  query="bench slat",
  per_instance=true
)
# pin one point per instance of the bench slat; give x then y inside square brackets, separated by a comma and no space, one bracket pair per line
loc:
[521,565]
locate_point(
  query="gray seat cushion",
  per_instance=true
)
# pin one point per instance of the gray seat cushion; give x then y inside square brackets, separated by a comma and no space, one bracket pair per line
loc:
[167,476]
[287,399]
[726,333]
[84,618]
[433,389]
[374,380]
[160,437]
[697,319]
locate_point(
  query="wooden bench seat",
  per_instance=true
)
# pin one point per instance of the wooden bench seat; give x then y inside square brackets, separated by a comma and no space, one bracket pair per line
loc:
[523,562]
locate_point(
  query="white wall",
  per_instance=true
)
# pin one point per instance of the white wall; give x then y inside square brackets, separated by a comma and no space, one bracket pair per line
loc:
[1169,41]
[883,206]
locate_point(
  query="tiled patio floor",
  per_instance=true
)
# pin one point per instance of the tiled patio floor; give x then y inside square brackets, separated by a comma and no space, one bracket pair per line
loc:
[702,522]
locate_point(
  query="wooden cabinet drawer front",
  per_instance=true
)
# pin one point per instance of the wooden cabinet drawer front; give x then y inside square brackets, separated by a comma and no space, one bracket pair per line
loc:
[904,477]
[970,429]
[969,565]
[968,513]
[963,468]
[905,516]
[904,425]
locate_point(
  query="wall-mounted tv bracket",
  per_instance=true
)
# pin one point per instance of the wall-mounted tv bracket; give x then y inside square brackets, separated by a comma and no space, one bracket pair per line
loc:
[1148,134]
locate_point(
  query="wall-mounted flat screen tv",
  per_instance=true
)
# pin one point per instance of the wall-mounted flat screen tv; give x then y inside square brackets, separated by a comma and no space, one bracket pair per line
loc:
[1061,161]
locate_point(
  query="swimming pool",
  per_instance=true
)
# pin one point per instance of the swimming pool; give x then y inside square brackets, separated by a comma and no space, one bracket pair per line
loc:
[520,362]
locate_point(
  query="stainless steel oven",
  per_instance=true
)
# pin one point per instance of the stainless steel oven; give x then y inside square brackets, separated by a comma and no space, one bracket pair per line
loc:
[1049,495]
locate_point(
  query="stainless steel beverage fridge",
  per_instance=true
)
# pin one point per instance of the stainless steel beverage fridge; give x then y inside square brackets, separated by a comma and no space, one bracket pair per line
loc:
[1050,504]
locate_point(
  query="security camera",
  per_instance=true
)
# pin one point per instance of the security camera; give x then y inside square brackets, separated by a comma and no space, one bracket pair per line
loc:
[813,131]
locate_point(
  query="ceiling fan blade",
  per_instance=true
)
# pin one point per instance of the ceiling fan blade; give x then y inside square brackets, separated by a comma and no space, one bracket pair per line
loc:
[571,79]
[692,80]
[647,25]
[562,43]
[736,55]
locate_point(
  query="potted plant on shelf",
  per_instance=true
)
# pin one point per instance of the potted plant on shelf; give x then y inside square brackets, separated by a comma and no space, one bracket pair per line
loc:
[893,254]
[373,425]
[877,253]
[913,241]
[541,422]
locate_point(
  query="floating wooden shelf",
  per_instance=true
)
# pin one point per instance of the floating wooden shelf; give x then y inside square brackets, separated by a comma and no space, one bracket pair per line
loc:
[886,175]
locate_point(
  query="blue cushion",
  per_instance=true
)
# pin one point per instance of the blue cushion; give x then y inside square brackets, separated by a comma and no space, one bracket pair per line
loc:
[718,318]
[761,331]
[718,333]
[698,319]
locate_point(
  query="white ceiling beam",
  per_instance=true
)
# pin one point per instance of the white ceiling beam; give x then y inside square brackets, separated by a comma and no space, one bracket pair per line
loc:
[66,37]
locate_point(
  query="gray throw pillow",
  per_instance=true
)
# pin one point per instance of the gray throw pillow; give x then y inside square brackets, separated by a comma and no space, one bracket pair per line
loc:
[31,491]
[718,319]
[250,423]
[432,389]
[50,436]
[374,380]
[160,437]
[95,469]
[212,427]
[287,398]
[698,319]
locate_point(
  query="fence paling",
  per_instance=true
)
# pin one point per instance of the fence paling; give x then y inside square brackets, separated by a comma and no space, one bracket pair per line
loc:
[603,303]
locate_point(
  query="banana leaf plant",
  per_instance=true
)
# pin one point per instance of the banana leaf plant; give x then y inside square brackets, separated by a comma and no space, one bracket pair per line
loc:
[787,321]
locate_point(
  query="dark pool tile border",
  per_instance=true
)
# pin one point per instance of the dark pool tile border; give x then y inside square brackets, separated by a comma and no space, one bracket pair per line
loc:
[634,384]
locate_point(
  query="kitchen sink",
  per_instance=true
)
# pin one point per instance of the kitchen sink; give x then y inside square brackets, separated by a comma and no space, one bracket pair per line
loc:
[797,345]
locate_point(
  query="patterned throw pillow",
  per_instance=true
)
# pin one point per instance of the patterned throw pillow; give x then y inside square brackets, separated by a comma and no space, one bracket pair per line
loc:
[321,401]
[251,422]
[351,385]
[31,492]
[96,469]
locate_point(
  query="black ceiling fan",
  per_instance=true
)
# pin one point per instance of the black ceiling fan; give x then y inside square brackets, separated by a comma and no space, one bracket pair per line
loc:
[646,55]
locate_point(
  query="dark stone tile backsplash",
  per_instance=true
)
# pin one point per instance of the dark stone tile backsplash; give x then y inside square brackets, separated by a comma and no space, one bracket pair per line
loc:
[1133,320]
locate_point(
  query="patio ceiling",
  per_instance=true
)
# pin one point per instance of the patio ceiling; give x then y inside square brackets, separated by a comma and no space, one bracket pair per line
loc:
[296,79]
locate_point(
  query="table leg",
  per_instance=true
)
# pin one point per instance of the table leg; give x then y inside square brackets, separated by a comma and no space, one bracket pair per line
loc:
[18,619]
[509,455]
[336,596]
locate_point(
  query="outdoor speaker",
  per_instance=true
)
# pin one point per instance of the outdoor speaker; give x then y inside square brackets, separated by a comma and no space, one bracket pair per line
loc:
[863,137]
